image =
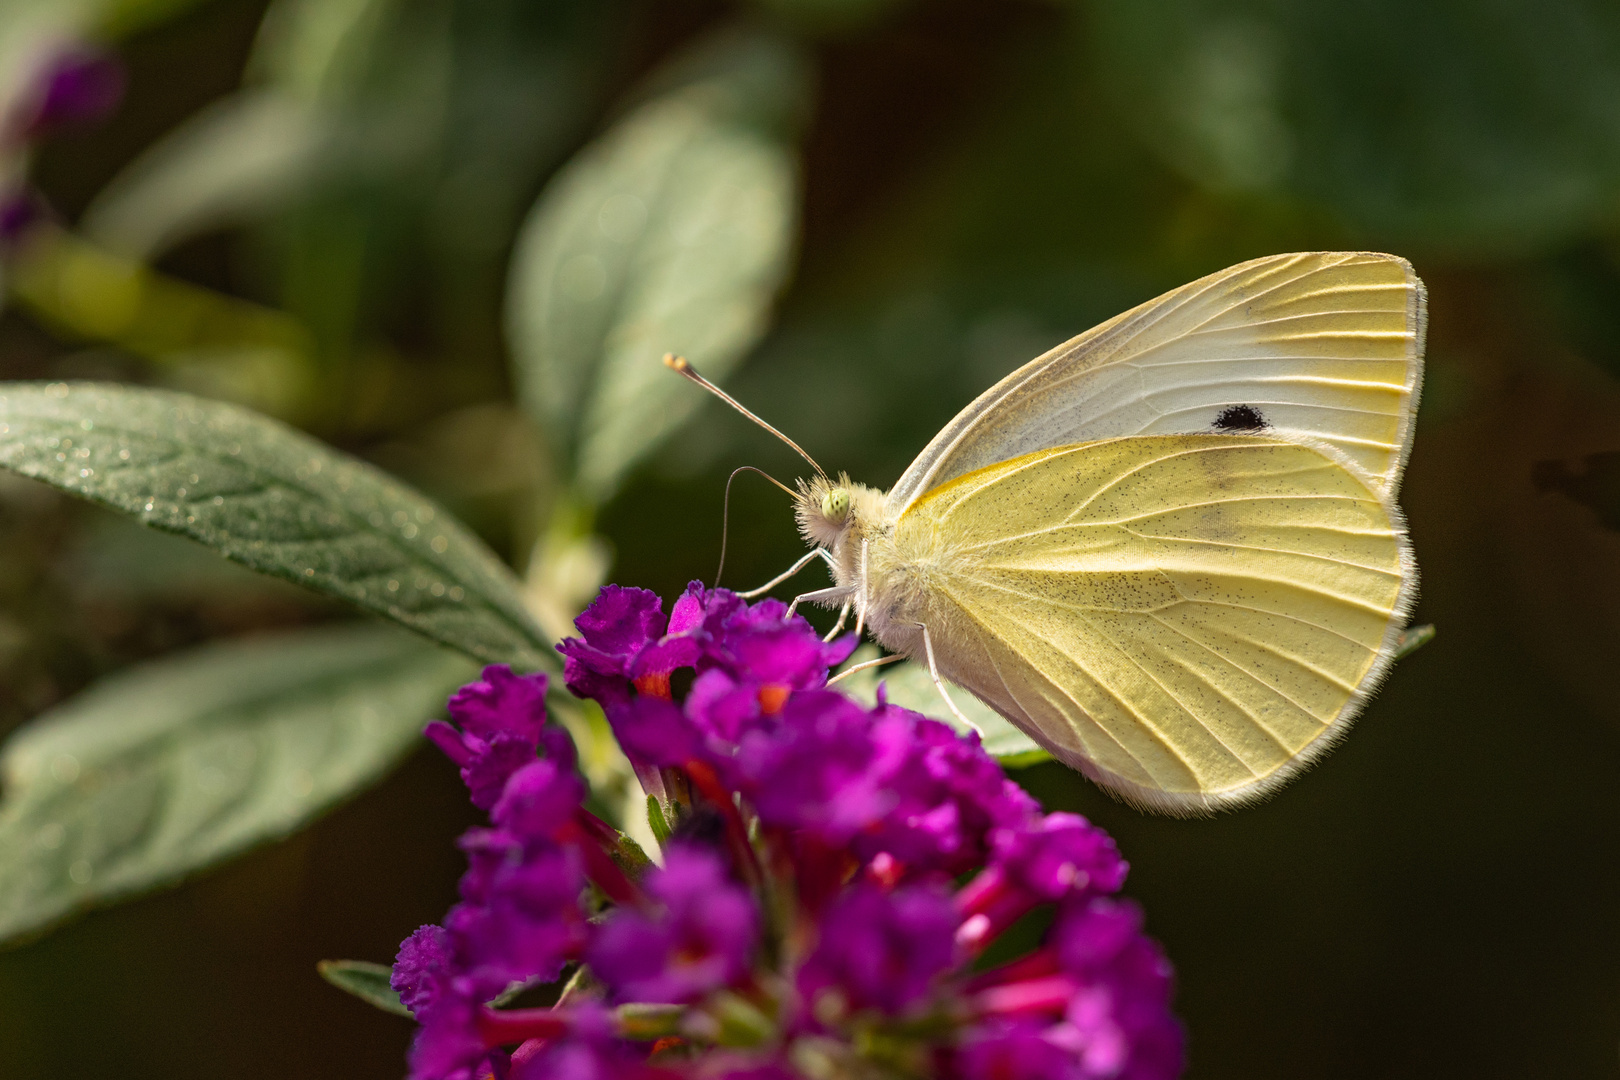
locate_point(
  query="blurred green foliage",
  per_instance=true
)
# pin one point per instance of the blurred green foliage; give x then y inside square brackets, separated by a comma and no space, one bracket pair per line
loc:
[161,771]
[455,237]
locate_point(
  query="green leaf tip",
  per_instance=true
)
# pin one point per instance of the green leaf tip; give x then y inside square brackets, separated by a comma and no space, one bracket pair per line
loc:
[656,821]
[1412,639]
[275,500]
[366,981]
[630,857]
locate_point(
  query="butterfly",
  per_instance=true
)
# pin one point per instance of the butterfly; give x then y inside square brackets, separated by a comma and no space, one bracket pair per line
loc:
[1169,549]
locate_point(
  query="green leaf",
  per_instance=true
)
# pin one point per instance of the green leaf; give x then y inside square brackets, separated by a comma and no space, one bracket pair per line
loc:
[160,771]
[631,857]
[204,340]
[440,126]
[1480,130]
[910,686]
[119,18]
[314,48]
[672,232]
[366,981]
[30,29]
[1412,639]
[274,500]
[236,160]
[830,16]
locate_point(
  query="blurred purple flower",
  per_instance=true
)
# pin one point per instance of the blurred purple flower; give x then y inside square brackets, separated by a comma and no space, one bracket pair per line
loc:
[702,939]
[20,210]
[1016,1050]
[78,85]
[1116,1021]
[1064,854]
[881,950]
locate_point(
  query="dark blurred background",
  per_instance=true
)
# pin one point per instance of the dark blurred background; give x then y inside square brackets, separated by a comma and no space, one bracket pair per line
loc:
[981,179]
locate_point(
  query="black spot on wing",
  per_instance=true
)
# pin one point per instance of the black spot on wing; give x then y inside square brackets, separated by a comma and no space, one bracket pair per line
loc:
[1240,418]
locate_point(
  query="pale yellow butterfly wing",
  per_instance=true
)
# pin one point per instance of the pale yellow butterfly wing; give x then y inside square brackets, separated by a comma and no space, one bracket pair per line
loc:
[1186,619]
[1321,346]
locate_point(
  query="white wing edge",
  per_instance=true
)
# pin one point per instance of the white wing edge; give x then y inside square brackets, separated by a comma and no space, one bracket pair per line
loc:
[1417,316]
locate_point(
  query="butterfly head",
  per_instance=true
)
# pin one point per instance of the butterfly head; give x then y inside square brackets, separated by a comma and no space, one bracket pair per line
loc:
[835,504]
[827,509]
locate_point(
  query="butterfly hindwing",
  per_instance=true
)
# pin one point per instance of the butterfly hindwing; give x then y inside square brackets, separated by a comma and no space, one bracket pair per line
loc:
[1184,618]
[1318,346]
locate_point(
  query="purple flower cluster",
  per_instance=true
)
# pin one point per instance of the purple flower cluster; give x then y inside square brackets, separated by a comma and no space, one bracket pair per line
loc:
[520,917]
[833,880]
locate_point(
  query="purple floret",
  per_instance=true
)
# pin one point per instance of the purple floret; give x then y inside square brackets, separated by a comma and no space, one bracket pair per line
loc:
[1119,1021]
[520,917]
[760,645]
[448,1045]
[821,765]
[502,726]
[422,969]
[1016,1050]
[653,730]
[950,794]
[539,799]
[881,950]
[502,703]
[1058,855]
[625,638]
[702,938]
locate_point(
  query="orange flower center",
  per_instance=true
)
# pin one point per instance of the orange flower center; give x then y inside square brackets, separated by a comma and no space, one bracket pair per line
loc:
[656,685]
[772,696]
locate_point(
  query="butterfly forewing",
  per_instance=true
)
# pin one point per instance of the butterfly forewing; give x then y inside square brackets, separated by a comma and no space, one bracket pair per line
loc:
[1324,346]
[1183,618]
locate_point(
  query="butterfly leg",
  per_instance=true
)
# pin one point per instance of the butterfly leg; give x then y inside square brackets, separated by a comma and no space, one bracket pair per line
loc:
[789,572]
[843,615]
[860,596]
[820,596]
[939,684]
[879,662]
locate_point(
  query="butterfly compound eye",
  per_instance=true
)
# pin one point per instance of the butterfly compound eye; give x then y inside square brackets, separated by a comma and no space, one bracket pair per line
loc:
[835,504]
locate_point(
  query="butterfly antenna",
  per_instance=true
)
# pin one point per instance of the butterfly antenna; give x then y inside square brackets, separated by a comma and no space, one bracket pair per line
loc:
[680,366]
[725,513]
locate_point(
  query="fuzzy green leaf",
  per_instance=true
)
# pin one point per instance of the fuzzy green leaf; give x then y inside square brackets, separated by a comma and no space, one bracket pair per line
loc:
[672,232]
[274,500]
[158,772]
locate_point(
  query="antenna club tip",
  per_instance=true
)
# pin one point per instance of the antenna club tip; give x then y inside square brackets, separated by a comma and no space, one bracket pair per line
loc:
[675,363]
